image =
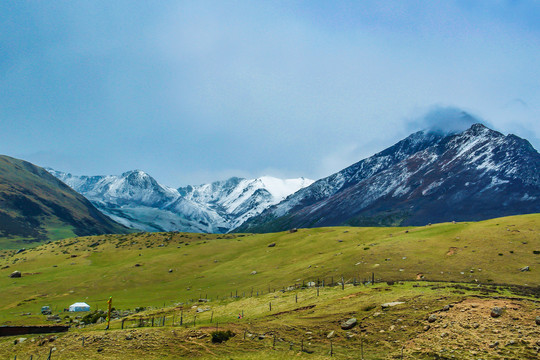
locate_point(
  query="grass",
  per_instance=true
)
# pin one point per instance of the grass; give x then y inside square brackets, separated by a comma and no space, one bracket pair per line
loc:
[215,266]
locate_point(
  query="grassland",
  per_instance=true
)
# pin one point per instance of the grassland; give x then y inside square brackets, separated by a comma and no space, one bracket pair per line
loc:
[439,264]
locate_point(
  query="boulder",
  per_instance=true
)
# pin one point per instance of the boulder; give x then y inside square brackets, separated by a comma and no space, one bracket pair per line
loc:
[15,274]
[390,304]
[496,312]
[272,244]
[330,334]
[349,324]
[526,268]
[253,272]
[170,270]
[538,320]
[432,318]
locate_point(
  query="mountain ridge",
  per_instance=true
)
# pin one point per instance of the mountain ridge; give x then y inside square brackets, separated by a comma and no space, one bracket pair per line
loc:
[427,177]
[35,207]
[137,200]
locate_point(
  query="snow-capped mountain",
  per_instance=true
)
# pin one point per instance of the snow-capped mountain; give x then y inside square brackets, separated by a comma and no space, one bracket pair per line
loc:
[137,200]
[427,177]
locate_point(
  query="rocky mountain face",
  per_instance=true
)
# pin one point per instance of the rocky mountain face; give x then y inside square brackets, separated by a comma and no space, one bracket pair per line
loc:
[426,178]
[136,200]
[35,207]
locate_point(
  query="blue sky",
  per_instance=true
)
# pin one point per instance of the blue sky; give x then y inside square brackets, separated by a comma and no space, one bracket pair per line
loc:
[196,91]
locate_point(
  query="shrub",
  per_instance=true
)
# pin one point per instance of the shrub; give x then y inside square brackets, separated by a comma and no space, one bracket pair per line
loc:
[220,336]
[93,317]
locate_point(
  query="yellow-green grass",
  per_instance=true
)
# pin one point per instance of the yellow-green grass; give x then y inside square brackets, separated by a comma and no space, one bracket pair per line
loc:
[301,315]
[70,270]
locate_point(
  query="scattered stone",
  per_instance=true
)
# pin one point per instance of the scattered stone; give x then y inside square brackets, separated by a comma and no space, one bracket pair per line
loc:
[494,344]
[349,324]
[432,318]
[261,337]
[129,337]
[253,272]
[137,265]
[390,304]
[538,320]
[526,268]
[496,312]
[377,314]
[15,274]
[170,270]
[272,244]
[446,307]
[20,251]
[510,343]
[19,341]
[349,335]
[444,334]
[475,325]
[427,327]
[330,334]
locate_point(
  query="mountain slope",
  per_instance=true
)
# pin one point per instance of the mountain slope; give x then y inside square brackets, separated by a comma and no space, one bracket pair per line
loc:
[137,200]
[427,177]
[35,206]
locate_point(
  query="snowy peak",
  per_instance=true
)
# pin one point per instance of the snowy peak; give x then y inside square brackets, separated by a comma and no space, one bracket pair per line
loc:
[427,177]
[137,200]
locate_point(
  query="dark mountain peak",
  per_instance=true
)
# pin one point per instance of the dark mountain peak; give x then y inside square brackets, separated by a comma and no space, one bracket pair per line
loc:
[430,176]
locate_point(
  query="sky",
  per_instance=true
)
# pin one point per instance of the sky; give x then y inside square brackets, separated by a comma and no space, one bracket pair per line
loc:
[198,91]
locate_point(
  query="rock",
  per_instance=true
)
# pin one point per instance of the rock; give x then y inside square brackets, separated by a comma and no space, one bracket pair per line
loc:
[349,335]
[446,307]
[129,337]
[330,334]
[261,337]
[311,284]
[390,304]
[475,325]
[137,265]
[538,320]
[100,320]
[170,270]
[444,334]
[494,344]
[432,318]
[15,274]
[510,343]
[19,340]
[496,312]
[253,272]
[526,268]
[349,324]
[427,327]
[20,251]
[272,244]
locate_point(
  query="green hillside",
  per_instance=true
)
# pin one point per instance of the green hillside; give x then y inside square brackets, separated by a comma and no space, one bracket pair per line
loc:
[36,207]
[460,263]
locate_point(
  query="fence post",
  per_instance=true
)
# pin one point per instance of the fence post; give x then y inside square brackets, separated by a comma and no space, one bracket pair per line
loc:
[123,321]
[274,343]
[50,354]
[296,297]
[181,317]
[270,305]
[83,341]
[212,317]
[317,291]
[342,283]
[372,278]
[331,349]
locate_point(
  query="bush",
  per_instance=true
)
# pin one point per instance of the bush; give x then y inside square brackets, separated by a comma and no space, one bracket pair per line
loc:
[93,317]
[220,336]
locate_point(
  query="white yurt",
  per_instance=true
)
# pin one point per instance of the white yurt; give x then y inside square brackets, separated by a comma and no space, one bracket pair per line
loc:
[79,306]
